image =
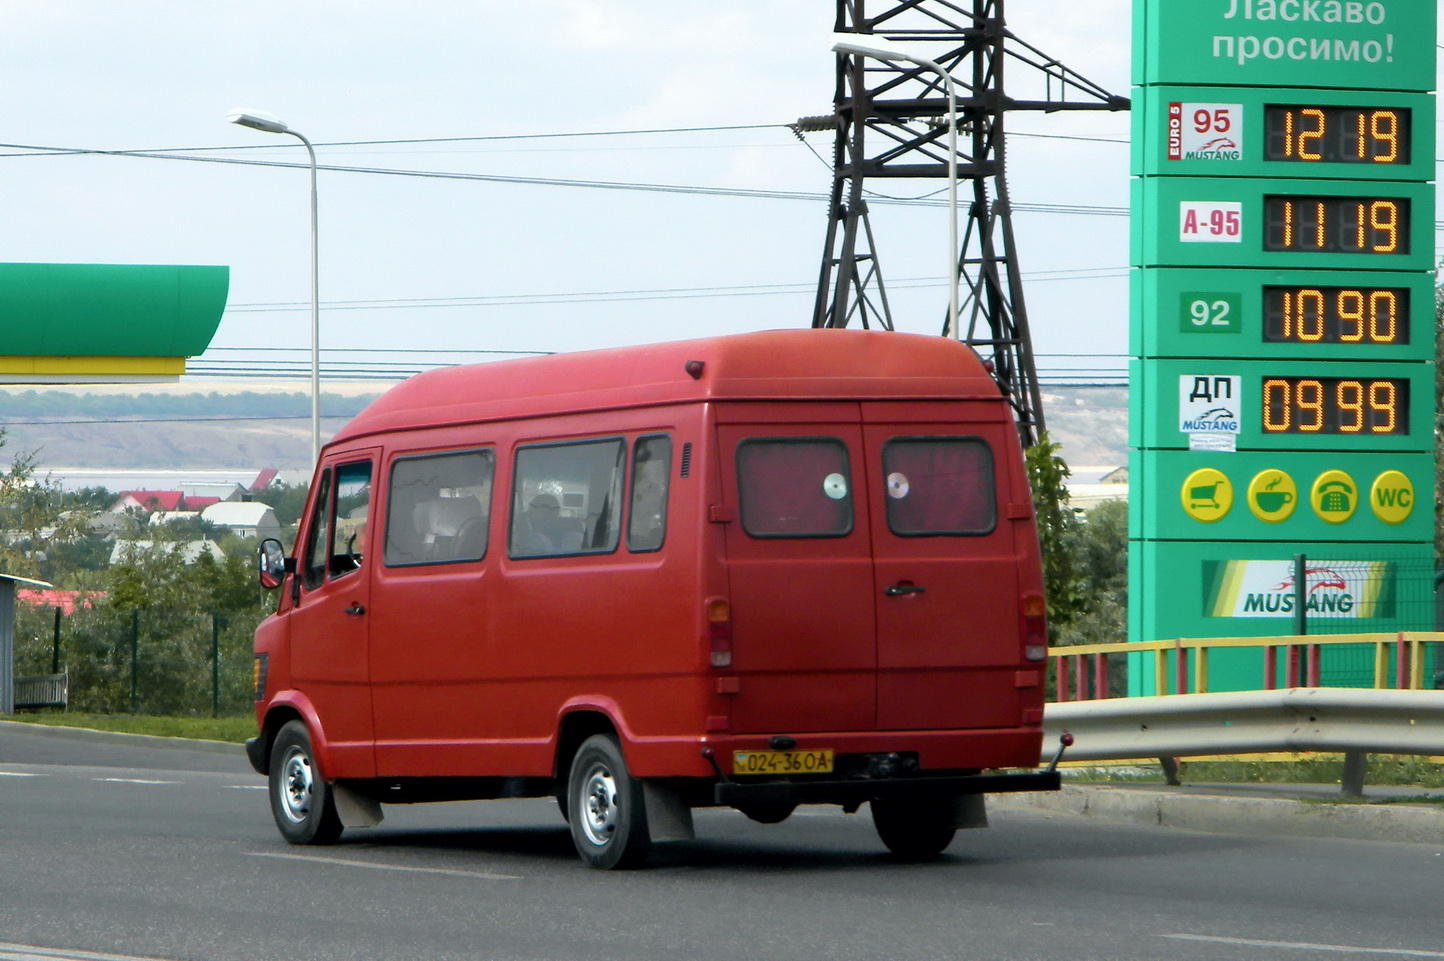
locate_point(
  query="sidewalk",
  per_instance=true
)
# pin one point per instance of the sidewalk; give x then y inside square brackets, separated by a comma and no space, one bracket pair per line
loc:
[1297,810]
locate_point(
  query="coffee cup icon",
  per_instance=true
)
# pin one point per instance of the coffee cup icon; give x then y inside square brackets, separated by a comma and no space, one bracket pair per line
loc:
[1273,501]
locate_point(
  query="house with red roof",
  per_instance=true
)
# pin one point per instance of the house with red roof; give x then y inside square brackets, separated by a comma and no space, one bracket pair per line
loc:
[67,601]
[148,501]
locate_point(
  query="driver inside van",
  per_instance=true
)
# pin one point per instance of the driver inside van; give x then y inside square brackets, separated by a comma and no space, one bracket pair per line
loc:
[543,525]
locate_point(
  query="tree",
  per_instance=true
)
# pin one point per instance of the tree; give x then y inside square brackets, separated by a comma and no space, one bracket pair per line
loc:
[1438,415]
[287,500]
[1047,475]
[1098,547]
[35,517]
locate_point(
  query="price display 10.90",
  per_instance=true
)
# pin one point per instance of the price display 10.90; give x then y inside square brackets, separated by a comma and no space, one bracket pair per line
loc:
[1335,405]
[1336,315]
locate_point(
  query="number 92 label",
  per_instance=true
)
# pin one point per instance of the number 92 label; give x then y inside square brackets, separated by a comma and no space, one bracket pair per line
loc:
[1210,313]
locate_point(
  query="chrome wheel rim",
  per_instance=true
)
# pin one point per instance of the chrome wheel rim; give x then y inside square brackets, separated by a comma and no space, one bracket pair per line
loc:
[295,788]
[599,805]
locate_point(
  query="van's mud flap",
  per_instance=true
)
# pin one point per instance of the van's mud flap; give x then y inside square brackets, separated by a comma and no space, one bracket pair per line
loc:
[733,794]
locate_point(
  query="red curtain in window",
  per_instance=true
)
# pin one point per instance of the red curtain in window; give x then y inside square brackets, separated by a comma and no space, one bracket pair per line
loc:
[939,486]
[795,488]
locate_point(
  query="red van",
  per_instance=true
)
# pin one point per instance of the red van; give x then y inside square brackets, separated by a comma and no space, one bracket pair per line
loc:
[757,571]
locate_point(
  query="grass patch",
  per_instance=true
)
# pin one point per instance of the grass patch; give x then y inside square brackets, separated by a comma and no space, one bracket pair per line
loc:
[233,729]
[1382,770]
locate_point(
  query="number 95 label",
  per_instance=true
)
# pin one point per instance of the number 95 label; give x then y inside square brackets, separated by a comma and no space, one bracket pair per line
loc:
[1210,222]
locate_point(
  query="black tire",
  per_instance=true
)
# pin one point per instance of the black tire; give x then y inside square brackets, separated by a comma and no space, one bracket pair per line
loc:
[607,815]
[914,828]
[768,812]
[301,800]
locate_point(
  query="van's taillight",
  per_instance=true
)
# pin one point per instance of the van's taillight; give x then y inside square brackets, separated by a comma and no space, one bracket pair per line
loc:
[719,631]
[1035,627]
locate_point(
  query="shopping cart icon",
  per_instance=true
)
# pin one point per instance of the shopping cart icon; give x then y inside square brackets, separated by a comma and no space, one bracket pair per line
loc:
[1204,495]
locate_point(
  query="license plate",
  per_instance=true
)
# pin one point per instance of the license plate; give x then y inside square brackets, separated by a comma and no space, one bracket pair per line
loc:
[782,762]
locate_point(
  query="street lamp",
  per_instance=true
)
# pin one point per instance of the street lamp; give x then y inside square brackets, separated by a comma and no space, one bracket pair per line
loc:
[260,120]
[879,49]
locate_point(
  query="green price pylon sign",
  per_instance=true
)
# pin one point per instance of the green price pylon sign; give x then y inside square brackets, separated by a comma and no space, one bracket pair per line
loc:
[1282,323]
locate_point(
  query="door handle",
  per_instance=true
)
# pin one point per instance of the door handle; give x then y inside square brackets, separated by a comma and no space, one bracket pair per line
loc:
[355,610]
[898,590]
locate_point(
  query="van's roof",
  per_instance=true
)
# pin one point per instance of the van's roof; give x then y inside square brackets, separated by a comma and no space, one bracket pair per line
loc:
[773,364]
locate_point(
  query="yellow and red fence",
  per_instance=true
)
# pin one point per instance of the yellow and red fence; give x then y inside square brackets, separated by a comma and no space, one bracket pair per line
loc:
[1180,666]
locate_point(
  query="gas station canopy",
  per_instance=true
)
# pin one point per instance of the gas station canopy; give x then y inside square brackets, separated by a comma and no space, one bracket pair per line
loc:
[106,323]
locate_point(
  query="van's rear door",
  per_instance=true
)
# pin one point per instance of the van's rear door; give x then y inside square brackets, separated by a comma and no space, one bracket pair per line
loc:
[800,570]
[946,566]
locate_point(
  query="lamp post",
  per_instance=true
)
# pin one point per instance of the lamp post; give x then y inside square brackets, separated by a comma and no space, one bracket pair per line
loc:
[260,120]
[880,50]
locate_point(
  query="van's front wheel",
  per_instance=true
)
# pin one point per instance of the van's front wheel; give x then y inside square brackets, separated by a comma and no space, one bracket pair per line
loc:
[914,828]
[301,801]
[607,815]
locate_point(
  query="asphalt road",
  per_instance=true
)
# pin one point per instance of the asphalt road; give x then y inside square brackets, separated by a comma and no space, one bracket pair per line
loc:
[113,851]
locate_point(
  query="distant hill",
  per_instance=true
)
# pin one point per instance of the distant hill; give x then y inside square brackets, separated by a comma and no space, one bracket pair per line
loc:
[1091,425]
[168,430]
[205,430]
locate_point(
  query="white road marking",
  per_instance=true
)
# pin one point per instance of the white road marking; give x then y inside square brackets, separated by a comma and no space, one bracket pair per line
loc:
[1306,946]
[246,787]
[19,774]
[24,952]
[378,866]
[132,780]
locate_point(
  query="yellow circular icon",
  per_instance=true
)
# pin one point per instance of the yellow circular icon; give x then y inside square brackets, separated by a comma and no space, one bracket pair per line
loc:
[1392,497]
[1334,496]
[1272,495]
[1207,495]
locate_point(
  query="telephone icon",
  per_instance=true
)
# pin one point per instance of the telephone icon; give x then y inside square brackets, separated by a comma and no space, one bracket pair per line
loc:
[1336,497]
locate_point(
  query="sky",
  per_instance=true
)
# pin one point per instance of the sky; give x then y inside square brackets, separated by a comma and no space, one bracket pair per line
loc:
[419,270]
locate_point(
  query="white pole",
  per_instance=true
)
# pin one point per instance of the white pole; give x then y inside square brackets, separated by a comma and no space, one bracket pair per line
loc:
[315,310]
[888,53]
[260,120]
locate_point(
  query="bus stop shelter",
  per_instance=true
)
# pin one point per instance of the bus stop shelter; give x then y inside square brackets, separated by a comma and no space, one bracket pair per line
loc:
[7,637]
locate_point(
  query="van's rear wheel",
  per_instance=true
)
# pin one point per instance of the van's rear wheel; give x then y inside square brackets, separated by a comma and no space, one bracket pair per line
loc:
[301,800]
[768,812]
[607,815]
[914,828]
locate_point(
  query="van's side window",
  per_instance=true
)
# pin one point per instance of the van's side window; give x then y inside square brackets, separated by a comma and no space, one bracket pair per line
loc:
[939,485]
[794,487]
[647,512]
[318,536]
[437,508]
[348,526]
[567,499]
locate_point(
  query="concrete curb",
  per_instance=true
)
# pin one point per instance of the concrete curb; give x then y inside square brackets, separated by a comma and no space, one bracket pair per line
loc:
[1254,816]
[89,736]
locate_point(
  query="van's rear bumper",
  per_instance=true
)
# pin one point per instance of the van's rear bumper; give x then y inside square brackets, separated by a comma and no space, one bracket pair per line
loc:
[734,793]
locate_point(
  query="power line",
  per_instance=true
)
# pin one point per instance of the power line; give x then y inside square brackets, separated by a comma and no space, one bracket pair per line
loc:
[660,293]
[40,151]
[743,192]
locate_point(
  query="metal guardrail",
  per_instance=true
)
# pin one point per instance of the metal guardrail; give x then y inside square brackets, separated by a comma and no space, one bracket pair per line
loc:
[1299,720]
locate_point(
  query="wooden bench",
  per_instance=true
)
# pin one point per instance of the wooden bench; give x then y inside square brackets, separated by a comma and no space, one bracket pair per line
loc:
[42,690]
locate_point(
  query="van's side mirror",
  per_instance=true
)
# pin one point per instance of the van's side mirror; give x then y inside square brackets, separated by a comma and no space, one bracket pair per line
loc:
[273,563]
